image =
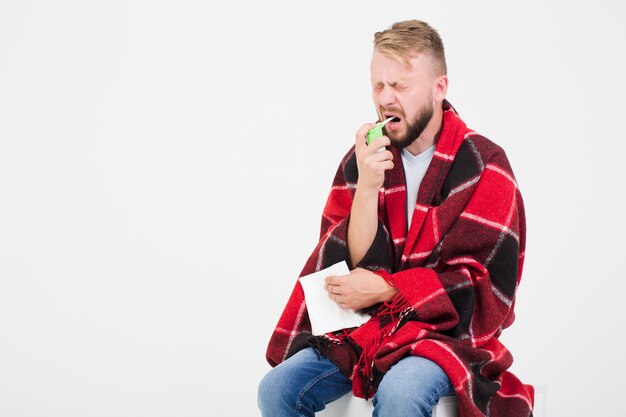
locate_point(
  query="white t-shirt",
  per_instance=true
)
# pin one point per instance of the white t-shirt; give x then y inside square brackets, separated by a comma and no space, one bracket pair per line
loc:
[415,167]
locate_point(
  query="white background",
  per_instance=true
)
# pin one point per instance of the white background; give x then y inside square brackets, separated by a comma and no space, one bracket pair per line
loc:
[164,164]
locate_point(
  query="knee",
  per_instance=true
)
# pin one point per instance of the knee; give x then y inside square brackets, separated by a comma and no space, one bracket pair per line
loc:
[397,395]
[264,392]
[391,400]
[411,387]
[273,390]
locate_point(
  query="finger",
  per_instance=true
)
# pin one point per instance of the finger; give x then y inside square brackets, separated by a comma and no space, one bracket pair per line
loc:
[377,166]
[332,280]
[341,301]
[379,143]
[335,297]
[385,155]
[342,305]
[387,165]
[377,146]
[335,290]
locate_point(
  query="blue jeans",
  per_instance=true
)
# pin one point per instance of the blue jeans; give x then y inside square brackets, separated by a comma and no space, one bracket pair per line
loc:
[304,384]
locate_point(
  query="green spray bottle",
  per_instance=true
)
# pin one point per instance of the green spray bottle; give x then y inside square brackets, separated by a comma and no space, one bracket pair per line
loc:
[377,131]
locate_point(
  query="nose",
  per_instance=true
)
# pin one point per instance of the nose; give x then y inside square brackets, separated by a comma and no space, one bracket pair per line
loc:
[387,96]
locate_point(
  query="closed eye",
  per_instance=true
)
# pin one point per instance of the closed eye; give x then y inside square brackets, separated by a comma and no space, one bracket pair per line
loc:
[395,85]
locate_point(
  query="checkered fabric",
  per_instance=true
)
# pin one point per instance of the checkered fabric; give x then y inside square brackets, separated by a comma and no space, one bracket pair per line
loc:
[457,269]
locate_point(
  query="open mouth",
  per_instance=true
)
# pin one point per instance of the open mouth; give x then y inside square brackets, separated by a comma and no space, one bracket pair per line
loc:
[393,115]
[394,123]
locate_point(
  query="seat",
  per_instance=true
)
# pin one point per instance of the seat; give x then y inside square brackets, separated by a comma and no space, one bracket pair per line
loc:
[351,406]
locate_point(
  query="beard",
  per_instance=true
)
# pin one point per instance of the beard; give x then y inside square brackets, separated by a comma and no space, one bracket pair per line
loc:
[414,128]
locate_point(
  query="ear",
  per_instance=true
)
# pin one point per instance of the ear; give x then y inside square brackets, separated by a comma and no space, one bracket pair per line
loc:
[440,88]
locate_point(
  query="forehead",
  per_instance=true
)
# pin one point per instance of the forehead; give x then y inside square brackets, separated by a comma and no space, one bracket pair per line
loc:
[384,68]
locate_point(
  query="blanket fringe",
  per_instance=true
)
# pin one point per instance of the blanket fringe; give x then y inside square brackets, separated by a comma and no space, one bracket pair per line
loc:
[365,366]
[390,316]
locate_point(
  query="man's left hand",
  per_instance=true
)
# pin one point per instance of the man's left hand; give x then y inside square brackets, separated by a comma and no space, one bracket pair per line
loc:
[359,289]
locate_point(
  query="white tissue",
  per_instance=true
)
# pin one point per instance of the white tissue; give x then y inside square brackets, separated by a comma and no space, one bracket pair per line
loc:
[325,315]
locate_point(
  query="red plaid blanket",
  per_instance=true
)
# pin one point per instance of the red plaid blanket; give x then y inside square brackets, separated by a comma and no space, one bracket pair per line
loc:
[457,269]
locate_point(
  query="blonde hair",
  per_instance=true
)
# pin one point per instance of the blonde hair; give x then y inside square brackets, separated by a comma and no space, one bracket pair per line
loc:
[405,40]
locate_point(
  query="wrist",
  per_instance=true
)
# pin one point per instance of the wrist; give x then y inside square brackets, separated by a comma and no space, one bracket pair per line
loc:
[389,289]
[389,294]
[366,192]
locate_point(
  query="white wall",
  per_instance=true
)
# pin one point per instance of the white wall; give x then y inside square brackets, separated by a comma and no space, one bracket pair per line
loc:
[163,166]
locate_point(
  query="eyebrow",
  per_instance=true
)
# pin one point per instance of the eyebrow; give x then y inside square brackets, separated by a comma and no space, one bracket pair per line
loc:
[391,84]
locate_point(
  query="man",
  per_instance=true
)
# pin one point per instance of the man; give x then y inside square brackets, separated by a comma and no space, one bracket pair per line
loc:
[433,228]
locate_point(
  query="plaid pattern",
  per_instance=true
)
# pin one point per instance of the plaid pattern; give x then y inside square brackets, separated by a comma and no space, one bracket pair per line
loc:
[457,269]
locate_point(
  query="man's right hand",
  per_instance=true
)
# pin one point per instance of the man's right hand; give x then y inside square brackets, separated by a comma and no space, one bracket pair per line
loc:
[371,164]
[364,214]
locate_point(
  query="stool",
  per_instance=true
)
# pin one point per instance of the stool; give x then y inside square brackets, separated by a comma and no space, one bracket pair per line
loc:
[351,406]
